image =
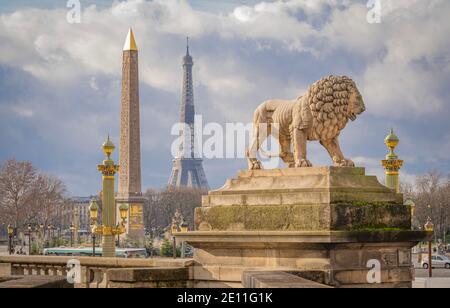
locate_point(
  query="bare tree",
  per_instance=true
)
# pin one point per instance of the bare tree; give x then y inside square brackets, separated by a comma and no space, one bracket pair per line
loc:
[432,198]
[49,196]
[17,187]
[27,196]
[161,206]
[407,189]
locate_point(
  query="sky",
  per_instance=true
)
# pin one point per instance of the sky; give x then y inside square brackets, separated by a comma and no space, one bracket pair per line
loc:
[60,81]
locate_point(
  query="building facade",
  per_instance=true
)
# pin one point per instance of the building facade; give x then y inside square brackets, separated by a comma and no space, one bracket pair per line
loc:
[76,212]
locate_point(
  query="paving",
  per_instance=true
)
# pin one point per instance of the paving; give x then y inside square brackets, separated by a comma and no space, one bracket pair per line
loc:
[33,282]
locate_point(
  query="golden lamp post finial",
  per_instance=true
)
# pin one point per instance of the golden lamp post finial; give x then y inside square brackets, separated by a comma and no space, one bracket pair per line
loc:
[391,141]
[108,148]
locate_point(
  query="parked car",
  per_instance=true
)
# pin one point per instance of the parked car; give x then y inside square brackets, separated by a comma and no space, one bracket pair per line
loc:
[438,261]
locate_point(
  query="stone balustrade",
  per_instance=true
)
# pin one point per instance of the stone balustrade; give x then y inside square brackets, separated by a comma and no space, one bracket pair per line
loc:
[93,270]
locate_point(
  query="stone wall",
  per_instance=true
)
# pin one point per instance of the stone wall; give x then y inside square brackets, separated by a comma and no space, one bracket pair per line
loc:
[94,271]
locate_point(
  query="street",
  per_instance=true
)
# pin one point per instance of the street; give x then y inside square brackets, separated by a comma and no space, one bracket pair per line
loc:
[3,250]
[437,273]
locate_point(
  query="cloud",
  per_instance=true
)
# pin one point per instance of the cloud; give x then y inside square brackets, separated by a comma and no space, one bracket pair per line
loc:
[60,82]
[404,64]
[23,111]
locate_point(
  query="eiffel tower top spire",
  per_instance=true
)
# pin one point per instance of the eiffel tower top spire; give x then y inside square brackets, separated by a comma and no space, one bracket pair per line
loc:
[187,59]
[187,96]
[187,45]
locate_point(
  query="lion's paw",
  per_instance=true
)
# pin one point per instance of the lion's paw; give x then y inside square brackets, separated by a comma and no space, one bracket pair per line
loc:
[304,163]
[256,165]
[345,163]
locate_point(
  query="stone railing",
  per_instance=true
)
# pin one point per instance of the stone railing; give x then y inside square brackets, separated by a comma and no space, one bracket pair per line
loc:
[277,279]
[93,270]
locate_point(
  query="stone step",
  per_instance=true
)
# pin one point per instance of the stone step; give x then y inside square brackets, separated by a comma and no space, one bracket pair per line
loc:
[298,183]
[287,172]
[302,197]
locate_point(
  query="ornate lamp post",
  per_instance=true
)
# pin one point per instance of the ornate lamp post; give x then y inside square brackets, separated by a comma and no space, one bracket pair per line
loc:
[10,237]
[30,231]
[72,231]
[109,229]
[152,236]
[42,228]
[392,164]
[93,213]
[430,208]
[51,230]
[42,234]
[429,227]
[184,228]
[174,229]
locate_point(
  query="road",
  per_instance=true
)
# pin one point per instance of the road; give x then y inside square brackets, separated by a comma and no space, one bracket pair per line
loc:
[437,273]
[3,250]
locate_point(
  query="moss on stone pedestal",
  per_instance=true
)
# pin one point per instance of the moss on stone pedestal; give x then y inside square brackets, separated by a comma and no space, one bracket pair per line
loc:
[334,217]
[370,216]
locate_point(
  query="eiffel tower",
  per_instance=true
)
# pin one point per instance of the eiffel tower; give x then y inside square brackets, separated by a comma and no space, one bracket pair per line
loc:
[187,170]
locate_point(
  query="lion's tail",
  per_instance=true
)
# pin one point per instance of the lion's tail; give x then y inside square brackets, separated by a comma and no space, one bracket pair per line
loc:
[258,118]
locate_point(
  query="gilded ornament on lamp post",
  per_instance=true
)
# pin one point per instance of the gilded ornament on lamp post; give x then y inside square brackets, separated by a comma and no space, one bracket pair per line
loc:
[392,164]
[108,229]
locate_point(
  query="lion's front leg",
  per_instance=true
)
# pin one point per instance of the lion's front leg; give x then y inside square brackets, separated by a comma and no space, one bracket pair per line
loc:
[260,131]
[286,153]
[334,149]
[300,139]
[253,162]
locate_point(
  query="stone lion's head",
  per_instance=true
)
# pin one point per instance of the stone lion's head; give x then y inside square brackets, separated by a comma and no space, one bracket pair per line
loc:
[356,104]
[333,101]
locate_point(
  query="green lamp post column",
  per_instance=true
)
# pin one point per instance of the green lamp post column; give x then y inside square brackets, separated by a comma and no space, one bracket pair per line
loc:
[392,164]
[108,170]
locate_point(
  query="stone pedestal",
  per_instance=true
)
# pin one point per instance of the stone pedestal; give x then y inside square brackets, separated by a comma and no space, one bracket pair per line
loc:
[325,224]
[135,221]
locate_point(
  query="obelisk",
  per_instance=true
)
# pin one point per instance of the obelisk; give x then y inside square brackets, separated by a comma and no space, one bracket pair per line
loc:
[129,190]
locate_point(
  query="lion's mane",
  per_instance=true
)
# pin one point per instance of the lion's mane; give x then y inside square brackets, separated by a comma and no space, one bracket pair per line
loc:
[329,103]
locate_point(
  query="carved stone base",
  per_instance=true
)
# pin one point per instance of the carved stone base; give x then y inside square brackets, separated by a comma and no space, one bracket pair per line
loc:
[325,224]
[338,259]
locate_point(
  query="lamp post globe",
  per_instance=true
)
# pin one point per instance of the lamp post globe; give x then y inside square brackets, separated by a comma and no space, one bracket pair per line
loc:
[429,226]
[93,211]
[123,210]
[10,230]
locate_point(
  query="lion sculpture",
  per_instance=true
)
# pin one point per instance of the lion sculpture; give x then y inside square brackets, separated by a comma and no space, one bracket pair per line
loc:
[320,115]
